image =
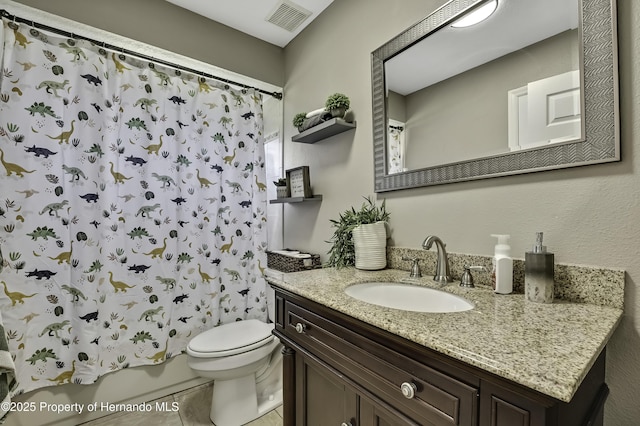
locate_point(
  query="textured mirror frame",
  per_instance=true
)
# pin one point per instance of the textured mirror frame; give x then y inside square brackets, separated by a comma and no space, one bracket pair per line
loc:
[601,143]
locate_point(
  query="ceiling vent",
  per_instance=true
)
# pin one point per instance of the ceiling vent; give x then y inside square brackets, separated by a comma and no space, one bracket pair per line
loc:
[288,15]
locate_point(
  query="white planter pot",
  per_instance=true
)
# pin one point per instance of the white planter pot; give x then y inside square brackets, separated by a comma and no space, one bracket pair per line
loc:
[338,112]
[370,243]
[281,192]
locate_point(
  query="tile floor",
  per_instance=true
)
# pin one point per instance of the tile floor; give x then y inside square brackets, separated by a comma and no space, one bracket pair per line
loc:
[193,410]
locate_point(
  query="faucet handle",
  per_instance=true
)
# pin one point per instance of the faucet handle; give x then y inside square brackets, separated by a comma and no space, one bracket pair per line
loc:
[415,267]
[466,280]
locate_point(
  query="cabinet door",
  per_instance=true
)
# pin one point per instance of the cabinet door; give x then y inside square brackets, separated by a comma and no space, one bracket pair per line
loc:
[321,398]
[502,407]
[372,413]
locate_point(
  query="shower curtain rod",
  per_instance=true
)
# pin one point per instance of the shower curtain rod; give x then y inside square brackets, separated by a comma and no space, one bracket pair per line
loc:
[105,45]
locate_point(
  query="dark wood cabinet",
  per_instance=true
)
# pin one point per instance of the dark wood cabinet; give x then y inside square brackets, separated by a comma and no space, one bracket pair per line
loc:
[341,371]
[502,404]
[323,397]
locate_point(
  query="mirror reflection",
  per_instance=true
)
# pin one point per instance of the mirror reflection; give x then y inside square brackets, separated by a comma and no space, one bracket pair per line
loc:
[509,83]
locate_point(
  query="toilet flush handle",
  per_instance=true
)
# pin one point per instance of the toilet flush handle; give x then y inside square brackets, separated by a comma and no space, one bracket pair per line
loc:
[300,328]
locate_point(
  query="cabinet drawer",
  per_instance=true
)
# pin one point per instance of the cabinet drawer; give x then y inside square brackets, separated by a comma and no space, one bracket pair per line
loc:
[375,367]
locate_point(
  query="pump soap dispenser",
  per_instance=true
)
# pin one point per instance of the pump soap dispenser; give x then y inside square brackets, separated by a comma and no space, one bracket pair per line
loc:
[538,273]
[502,266]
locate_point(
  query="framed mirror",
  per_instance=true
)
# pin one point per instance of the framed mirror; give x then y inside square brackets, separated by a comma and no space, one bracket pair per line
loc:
[532,87]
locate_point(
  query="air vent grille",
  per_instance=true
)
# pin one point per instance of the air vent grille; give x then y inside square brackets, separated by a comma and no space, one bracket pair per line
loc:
[288,15]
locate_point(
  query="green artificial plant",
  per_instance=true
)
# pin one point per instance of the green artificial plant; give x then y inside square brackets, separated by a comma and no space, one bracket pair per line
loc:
[337,101]
[298,119]
[280,182]
[342,253]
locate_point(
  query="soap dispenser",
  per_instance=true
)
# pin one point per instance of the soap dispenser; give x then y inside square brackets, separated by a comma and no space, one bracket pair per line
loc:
[502,274]
[538,273]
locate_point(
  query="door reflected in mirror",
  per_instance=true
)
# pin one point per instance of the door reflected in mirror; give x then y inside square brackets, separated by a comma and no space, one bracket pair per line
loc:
[509,83]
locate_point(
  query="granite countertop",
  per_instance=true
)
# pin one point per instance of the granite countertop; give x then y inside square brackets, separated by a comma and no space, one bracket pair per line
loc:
[546,347]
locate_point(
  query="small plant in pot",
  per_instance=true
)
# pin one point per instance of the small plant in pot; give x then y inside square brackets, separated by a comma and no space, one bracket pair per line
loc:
[337,104]
[298,120]
[281,187]
[343,250]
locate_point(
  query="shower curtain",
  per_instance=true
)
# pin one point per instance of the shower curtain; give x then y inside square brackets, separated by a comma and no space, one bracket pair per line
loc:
[395,147]
[132,208]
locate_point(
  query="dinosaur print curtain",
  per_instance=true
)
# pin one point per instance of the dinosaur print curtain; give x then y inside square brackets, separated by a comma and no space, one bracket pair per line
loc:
[395,147]
[132,208]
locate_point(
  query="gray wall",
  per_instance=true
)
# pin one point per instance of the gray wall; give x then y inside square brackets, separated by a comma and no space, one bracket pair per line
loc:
[165,25]
[590,215]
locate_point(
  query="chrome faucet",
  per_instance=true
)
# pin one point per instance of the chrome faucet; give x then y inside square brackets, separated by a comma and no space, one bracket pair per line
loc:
[442,275]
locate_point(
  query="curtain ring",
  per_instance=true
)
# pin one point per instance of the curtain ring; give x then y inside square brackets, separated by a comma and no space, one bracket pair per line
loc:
[33,31]
[13,24]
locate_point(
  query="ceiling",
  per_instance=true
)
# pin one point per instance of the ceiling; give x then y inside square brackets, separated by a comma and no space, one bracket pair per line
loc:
[250,16]
[514,25]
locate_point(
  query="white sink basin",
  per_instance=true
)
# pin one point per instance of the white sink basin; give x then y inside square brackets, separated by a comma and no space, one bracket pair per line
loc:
[408,297]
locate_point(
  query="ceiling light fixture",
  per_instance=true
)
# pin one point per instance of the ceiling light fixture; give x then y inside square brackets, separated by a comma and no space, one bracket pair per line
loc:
[477,16]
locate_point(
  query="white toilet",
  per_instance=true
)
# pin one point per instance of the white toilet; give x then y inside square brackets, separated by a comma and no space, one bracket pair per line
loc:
[245,361]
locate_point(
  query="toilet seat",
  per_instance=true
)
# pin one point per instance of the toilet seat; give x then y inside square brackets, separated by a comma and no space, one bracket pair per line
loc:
[231,339]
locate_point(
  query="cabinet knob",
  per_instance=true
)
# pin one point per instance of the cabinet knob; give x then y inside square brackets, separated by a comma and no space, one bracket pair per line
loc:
[300,328]
[408,390]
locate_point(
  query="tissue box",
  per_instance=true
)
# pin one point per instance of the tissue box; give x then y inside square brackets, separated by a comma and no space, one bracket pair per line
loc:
[292,261]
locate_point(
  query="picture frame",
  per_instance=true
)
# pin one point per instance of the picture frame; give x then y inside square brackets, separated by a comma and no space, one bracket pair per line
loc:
[298,182]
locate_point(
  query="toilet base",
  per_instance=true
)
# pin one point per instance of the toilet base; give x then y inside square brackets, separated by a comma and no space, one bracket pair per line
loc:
[240,401]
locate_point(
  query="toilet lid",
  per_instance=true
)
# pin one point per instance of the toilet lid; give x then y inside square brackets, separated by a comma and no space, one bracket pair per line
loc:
[232,338]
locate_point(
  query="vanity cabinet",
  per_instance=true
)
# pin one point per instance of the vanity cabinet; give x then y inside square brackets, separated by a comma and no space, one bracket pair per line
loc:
[324,398]
[341,371]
